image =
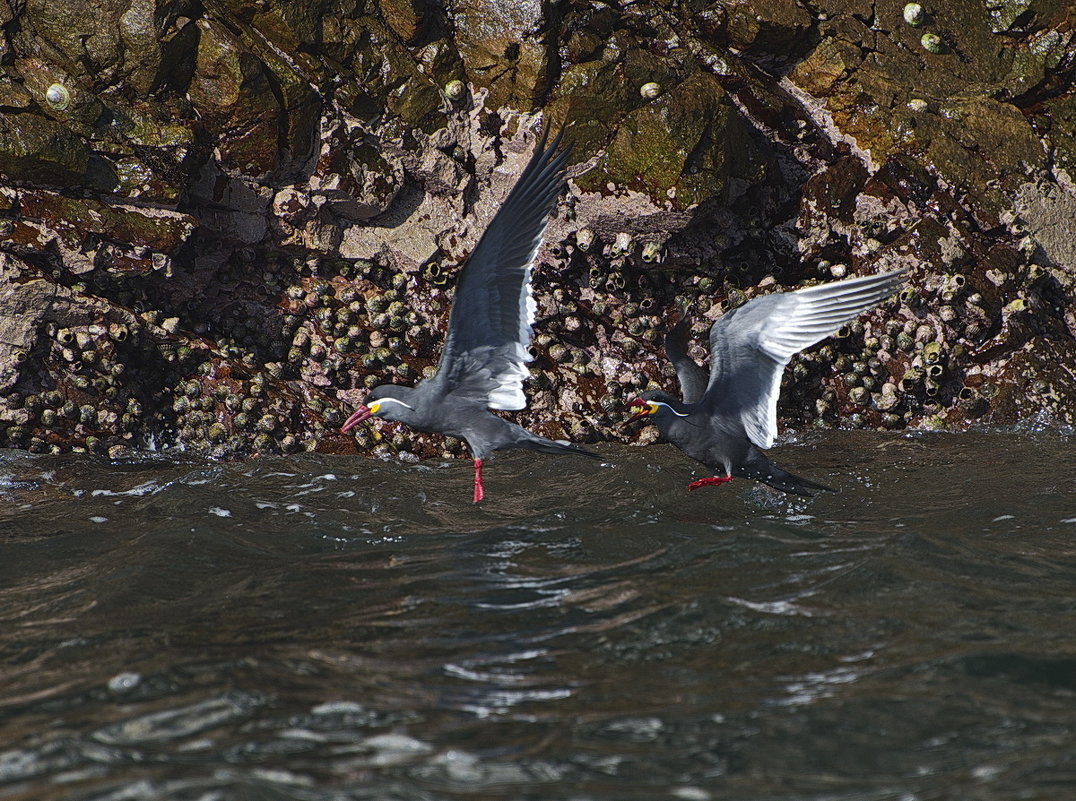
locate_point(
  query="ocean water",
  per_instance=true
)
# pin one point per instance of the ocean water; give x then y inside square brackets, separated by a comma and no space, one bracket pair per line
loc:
[325,627]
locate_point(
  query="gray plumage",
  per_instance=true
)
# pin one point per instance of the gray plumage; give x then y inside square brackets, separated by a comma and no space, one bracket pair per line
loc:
[482,364]
[693,379]
[725,420]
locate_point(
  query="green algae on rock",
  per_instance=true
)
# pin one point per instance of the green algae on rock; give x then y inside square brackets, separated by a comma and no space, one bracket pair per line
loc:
[666,148]
[37,150]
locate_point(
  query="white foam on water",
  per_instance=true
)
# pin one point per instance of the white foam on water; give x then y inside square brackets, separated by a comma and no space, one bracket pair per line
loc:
[147,488]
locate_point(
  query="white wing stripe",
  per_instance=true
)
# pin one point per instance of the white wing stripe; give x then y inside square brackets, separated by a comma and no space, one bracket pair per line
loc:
[852,284]
[815,318]
[508,393]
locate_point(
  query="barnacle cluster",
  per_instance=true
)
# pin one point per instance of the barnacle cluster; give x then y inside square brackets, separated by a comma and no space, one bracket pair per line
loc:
[902,362]
[75,390]
[355,325]
[255,363]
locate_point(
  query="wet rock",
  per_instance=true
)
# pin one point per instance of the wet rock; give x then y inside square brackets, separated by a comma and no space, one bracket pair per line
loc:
[354,177]
[79,230]
[502,50]
[35,150]
[153,157]
[1034,385]
[410,19]
[1058,123]
[769,29]
[392,81]
[683,147]
[29,304]
[232,91]
[221,224]
[1049,211]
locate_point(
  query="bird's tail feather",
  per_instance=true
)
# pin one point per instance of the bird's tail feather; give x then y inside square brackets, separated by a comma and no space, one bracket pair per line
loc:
[536,443]
[762,469]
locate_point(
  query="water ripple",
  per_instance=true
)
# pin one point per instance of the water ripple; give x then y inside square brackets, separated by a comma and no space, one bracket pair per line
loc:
[335,628]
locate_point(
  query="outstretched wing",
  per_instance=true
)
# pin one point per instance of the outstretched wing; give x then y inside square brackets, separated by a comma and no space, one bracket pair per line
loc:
[750,346]
[692,378]
[489,328]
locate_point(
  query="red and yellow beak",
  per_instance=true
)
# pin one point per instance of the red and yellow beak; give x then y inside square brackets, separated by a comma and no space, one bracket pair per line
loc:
[362,413]
[644,409]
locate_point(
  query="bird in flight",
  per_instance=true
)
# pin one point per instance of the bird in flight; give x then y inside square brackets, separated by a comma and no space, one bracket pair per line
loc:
[489,332]
[725,420]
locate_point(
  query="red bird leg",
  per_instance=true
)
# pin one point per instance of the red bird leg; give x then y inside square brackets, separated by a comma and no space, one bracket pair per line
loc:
[715,481]
[479,494]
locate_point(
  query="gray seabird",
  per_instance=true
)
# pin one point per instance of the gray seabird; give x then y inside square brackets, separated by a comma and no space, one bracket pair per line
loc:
[725,419]
[489,331]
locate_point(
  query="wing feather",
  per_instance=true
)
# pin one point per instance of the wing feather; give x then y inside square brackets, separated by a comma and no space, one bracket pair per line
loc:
[750,346]
[691,376]
[489,327]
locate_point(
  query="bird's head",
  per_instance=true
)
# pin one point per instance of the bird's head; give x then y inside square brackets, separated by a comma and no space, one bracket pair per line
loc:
[659,406]
[387,402]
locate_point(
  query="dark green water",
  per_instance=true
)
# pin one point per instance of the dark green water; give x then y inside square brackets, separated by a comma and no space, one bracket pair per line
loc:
[335,628]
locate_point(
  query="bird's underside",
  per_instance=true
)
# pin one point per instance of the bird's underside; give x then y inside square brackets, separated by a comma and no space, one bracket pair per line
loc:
[730,454]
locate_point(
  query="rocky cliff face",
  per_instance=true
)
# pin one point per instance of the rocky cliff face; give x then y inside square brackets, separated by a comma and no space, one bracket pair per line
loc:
[220,221]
